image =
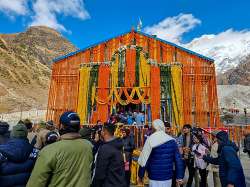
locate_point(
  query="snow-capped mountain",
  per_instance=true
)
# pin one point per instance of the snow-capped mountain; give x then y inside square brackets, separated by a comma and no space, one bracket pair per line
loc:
[228,48]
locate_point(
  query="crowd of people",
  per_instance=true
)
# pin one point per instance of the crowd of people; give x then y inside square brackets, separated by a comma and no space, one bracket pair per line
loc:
[72,155]
[136,117]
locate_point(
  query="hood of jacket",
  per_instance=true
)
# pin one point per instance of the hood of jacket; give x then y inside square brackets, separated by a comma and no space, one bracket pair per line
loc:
[223,138]
[116,143]
[16,150]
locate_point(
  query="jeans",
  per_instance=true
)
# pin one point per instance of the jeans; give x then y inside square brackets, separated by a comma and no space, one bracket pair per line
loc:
[203,175]
[189,163]
[216,179]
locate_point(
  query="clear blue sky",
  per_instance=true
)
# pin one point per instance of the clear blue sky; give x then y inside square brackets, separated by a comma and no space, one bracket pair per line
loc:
[111,17]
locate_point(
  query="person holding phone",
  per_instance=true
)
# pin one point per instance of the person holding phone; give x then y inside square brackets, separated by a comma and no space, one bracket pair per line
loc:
[199,150]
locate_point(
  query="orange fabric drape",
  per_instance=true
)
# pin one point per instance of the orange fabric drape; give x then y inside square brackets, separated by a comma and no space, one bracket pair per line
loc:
[103,92]
[187,94]
[155,92]
[130,67]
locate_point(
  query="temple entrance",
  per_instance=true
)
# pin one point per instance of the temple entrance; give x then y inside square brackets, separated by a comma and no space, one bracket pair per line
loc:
[131,107]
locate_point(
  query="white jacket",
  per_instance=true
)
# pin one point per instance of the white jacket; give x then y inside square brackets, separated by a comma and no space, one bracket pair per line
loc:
[198,161]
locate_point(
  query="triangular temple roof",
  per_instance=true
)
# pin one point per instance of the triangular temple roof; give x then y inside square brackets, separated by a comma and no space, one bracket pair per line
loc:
[139,32]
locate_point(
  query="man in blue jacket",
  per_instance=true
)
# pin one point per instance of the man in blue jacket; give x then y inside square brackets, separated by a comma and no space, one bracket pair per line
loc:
[159,156]
[15,162]
[230,169]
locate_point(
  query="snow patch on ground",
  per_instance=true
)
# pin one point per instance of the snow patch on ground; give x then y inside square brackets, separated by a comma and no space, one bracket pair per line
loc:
[231,96]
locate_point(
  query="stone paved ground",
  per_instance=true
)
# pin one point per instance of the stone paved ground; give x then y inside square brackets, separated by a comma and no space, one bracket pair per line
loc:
[245,160]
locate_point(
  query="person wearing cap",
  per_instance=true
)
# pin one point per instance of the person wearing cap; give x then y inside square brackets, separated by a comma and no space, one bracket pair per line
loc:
[109,168]
[159,156]
[66,162]
[86,133]
[230,168]
[15,161]
[44,129]
[51,137]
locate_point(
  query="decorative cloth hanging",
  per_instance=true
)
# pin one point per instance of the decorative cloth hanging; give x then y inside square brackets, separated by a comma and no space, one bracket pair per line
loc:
[82,108]
[130,67]
[165,75]
[114,73]
[117,93]
[103,92]
[144,71]
[93,78]
[155,92]
[177,99]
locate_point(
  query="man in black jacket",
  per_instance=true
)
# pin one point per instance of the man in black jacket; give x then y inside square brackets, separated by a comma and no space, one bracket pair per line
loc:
[129,146]
[4,132]
[109,168]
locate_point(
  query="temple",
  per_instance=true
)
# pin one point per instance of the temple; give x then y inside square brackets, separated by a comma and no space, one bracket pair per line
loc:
[135,71]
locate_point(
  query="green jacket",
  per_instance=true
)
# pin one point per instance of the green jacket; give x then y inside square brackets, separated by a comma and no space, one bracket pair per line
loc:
[66,163]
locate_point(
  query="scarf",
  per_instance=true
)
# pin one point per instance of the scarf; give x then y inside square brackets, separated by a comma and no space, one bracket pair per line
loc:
[156,139]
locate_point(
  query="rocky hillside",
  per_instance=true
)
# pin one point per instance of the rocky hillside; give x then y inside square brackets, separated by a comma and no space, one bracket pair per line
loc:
[238,75]
[25,60]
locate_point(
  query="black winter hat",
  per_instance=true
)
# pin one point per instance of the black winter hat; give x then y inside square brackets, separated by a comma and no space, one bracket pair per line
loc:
[50,123]
[85,132]
[19,131]
[222,136]
[4,127]
[51,137]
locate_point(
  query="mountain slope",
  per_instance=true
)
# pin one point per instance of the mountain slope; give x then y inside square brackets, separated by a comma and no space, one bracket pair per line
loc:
[24,67]
[238,75]
[228,48]
[231,96]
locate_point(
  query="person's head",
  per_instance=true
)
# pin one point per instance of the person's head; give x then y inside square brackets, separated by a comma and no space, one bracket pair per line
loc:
[197,138]
[167,127]
[19,131]
[28,124]
[108,131]
[85,133]
[42,125]
[4,127]
[70,123]
[199,131]
[186,128]
[158,125]
[214,133]
[125,132]
[98,122]
[222,137]
[50,125]
[51,137]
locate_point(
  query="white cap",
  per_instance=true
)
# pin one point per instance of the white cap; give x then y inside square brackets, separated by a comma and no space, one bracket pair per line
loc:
[158,125]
